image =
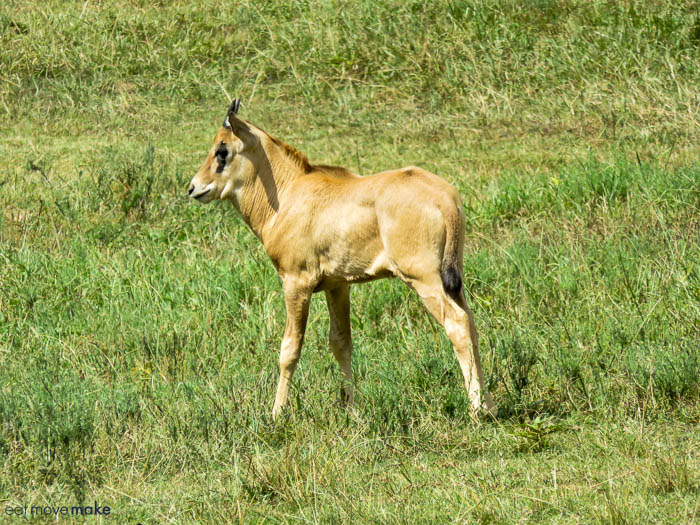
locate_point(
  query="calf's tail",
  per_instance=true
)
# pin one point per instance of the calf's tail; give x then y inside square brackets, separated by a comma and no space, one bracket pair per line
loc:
[451,266]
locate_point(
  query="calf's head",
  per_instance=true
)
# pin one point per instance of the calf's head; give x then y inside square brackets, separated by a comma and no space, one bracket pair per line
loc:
[228,164]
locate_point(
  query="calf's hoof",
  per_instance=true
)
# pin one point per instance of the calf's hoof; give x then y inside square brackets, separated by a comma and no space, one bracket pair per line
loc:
[483,406]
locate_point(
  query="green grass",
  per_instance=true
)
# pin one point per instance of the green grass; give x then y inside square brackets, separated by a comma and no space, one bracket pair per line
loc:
[139,332]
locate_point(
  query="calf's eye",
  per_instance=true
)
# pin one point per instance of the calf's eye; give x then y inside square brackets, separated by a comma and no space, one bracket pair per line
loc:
[221,153]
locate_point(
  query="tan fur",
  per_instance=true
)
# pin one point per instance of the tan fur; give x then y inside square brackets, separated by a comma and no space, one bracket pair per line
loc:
[325,228]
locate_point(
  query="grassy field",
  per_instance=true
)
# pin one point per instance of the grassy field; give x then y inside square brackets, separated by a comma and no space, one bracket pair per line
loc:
[139,332]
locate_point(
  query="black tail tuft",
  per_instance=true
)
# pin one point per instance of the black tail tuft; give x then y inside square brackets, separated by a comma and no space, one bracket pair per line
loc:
[451,281]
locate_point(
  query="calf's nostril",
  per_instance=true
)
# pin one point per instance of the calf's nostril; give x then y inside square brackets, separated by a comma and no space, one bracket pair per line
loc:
[191,189]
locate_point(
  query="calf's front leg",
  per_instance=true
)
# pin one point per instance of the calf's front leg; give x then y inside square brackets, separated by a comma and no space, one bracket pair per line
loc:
[339,335]
[297,301]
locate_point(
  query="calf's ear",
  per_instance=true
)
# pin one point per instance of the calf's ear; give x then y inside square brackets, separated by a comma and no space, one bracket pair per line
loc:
[239,128]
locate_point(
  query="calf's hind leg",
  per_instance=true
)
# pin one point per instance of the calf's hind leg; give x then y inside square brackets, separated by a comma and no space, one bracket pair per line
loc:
[340,341]
[458,321]
[487,401]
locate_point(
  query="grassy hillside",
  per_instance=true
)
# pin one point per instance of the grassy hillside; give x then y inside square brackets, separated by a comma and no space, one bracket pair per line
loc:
[139,332]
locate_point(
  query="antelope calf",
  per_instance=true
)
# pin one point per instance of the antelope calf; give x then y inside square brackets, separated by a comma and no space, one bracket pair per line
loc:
[325,228]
